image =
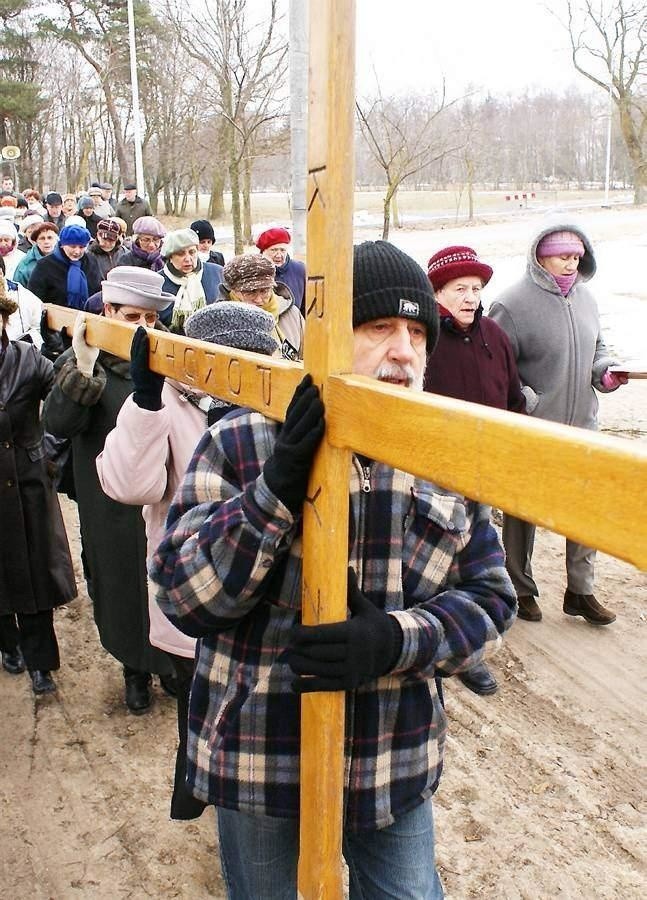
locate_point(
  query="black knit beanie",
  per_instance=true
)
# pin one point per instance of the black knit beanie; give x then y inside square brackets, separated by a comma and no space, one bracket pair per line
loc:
[203,229]
[388,282]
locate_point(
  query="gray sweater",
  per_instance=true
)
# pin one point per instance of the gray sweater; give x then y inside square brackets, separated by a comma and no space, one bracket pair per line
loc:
[556,340]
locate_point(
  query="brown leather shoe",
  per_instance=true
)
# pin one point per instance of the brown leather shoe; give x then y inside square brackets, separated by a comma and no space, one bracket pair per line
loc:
[587,606]
[529,609]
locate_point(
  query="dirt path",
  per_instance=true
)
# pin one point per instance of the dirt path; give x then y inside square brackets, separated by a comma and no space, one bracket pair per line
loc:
[543,794]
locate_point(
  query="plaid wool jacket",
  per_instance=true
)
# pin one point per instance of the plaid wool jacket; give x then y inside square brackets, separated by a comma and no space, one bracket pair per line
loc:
[229,573]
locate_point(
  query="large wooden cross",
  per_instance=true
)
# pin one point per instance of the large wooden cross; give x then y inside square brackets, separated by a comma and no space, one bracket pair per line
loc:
[581,484]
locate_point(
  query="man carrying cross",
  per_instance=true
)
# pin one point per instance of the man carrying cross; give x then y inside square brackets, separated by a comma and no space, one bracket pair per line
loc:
[428,596]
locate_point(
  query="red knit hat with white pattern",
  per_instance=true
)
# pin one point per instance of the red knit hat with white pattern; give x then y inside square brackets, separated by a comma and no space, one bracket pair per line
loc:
[456,262]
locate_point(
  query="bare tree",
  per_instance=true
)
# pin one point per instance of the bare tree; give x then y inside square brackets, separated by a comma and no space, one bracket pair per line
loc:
[608,47]
[97,29]
[403,136]
[246,65]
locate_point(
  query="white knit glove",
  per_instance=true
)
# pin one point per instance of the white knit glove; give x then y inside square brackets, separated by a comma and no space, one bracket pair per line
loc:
[86,356]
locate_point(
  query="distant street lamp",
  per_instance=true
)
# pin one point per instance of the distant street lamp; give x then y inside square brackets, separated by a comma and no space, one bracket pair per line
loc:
[139,162]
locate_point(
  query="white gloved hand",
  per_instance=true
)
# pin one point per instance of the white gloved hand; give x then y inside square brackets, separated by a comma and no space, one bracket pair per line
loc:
[86,356]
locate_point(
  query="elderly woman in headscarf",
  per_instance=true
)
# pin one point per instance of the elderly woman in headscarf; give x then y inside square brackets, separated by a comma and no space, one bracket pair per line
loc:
[250,278]
[193,282]
[107,247]
[37,575]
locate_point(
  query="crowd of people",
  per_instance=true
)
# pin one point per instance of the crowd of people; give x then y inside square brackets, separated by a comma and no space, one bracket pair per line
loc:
[201,503]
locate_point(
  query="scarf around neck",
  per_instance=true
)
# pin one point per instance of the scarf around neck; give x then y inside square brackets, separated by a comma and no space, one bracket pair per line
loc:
[153,259]
[77,283]
[190,295]
[272,306]
[565,282]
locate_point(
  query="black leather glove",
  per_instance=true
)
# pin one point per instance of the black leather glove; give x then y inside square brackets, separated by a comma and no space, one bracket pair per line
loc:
[341,656]
[148,385]
[286,471]
[53,344]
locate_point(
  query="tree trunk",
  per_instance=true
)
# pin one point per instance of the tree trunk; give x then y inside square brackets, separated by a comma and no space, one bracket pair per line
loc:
[386,223]
[395,212]
[126,169]
[82,179]
[216,200]
[233,162]
[469,167]
[247,201]
[634,147]
[234,181]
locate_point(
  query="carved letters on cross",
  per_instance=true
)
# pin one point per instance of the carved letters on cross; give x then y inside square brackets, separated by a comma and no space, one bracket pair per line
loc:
[214,370]
[316,296]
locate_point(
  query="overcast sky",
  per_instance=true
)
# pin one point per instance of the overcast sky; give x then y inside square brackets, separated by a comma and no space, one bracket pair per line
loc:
[500,45]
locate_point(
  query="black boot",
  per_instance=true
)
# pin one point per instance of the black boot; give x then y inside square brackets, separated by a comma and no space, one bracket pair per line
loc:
[13,662]
[168,683]
[479,679]
[42,682]
[138,695]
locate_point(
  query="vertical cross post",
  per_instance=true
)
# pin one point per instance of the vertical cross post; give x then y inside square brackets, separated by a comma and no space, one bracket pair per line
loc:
[328,350]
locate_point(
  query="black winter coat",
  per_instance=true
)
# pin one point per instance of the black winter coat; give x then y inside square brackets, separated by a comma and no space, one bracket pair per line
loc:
[36,570]
[107,261]
[114,538]
[91,222]
[49,281]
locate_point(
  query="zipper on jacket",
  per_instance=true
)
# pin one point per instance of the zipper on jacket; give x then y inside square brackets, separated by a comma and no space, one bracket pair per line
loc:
[366,479]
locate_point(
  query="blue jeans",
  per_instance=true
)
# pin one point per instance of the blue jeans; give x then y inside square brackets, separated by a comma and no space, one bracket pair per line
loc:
[259,857]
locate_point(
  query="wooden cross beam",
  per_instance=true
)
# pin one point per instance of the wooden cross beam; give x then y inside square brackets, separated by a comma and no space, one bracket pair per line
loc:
[578,483]
[586,486]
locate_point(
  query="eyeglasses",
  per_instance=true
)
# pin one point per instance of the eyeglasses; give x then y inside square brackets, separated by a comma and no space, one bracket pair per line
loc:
[149,240]
[259,292]
[149,317]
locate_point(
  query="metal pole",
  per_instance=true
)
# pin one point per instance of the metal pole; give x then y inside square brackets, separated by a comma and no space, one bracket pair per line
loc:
[298,121]
[608,166]
[139,162]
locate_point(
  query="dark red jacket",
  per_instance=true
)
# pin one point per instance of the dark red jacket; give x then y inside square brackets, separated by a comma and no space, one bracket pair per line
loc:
[476,365]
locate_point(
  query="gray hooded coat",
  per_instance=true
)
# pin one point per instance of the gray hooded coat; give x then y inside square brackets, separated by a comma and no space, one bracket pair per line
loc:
[556,340]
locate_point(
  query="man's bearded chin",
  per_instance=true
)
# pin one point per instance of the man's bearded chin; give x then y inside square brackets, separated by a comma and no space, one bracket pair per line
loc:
[404,376]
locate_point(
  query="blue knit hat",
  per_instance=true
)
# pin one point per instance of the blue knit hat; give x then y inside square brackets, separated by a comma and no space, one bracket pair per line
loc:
[74,235]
